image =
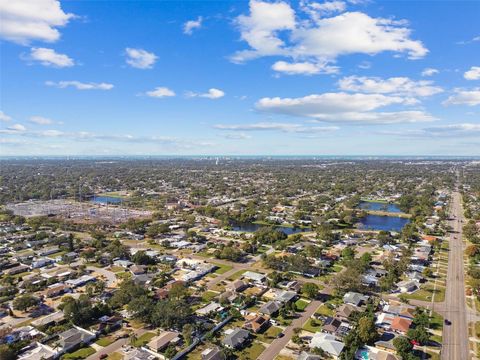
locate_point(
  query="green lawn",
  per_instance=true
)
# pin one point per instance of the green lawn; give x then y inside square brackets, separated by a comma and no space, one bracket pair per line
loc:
[104,341]
[237,275]
[135,323]
[436,338]
[251,352]
[115,356]
[80,353]
[269,335]
[116,269]
[433,355]
[222,269]
[301,304]
[324,310]
[283,321]
[204,254]
[477,329]
[207,296]
[426,293]
[337,267]
[142,340]
[123,275]
[436,321]
[313,325]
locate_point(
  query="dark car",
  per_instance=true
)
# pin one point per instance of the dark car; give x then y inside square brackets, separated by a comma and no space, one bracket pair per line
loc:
[103,356]
[447,322]
[280,335]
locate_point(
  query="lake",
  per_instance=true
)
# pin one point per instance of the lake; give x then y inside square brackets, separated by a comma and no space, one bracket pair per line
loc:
[387,223]
[251,227]
[106,200]
[379,206]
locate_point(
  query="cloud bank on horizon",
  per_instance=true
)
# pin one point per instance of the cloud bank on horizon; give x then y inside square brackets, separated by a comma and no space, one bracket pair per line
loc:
[263,77]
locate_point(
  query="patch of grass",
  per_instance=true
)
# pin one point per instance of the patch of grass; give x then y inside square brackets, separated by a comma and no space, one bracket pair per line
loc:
[477,329]
[117,269]
[436,338]
[283,321]
[104,341]
[269,335]
[301,304]
[222,269]
[115,356]
[237,275]
[24,323]
[337,268]
[426,294]
[324,310]
[136,324]
[251,352]
[207,296]
[142,340]
[433,355]
[123,275]
[80,353]
[312,325]
[204,254]
[436,321]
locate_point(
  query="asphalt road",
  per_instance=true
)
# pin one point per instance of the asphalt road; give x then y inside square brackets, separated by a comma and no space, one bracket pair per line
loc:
[455,336]
[278,344]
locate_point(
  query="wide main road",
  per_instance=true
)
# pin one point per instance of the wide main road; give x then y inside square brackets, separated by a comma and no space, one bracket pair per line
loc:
[455,335]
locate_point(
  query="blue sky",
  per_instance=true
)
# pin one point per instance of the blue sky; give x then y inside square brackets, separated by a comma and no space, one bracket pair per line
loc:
[227,77]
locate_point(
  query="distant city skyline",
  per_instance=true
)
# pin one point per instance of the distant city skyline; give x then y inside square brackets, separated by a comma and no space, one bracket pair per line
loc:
[353,77]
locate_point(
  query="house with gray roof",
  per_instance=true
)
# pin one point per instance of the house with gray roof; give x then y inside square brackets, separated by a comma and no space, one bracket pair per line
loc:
[74,337]
[270,308]
[327,343]
[286,296]
[354,298]
[236,338]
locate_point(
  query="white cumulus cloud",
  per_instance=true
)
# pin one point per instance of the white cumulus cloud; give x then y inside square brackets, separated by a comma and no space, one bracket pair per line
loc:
[274,126]
[463,129]
[464,97]
[27,20]
[160,92]
[191,25]
[304,68]
[259,29]
[275,29]
[4,117]
[49,57]
[473,73]
[429,72]
[40,120]
[80,85]
[14,129]
[140,59]
[344,107]
[210,94]
[317,10]
[394,85]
